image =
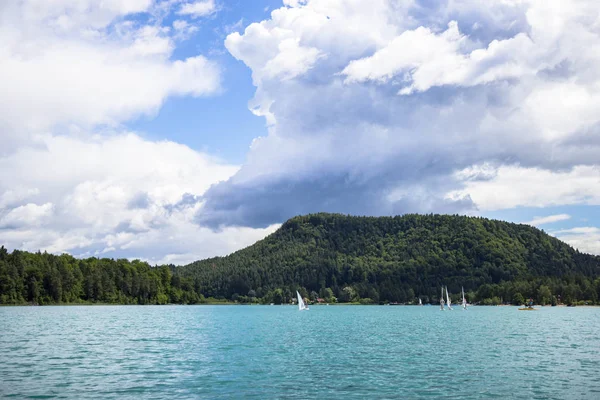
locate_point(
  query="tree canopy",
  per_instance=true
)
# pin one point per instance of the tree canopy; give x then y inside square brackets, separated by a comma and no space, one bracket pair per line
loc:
[334,257]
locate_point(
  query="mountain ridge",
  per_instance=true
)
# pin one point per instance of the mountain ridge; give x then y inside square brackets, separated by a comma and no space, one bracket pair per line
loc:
[394,255]
[334,257]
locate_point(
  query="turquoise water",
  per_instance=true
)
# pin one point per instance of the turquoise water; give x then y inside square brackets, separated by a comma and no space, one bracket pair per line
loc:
[278,352]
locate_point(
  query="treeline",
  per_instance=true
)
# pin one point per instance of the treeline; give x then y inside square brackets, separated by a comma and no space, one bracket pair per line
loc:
[334,258]
[42,278]
[401,259]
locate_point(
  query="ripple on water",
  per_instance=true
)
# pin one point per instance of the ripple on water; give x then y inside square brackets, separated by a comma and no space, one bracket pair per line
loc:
[278,352]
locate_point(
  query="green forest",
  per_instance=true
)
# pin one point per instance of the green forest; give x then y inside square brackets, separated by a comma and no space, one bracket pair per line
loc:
[333,257]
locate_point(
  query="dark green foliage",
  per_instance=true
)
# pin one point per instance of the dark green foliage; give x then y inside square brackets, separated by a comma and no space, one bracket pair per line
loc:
[518,299]
[43,278]
[340,258]
[398,259]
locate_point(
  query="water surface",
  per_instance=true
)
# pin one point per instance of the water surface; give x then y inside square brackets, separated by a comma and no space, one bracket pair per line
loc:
[261,352]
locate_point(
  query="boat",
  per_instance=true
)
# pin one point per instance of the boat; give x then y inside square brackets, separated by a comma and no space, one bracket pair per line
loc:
[448,299]
[442,300]
[420,302]
[301,305]
[464,301]
[528,307]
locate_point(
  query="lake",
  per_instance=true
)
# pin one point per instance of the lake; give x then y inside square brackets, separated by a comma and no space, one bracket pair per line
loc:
[262,352]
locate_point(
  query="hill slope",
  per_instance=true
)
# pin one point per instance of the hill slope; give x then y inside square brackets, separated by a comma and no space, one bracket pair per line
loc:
[387,259]
[400,258]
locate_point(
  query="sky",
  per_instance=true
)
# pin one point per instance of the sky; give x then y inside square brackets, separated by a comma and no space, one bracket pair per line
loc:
[176,130]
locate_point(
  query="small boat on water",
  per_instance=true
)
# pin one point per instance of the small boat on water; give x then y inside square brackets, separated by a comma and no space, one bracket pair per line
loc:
[442,300]
[529,306]
[420,302]
[448,299]
[301,305]
[464,301]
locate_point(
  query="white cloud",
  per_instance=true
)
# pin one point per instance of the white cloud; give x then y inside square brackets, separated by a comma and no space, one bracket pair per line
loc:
[26,215]
[289,61]
[105,171]
[536,221]
[197,9]
[510,85]
[497,112]
[68,15]
[585,239]
[304,33]
[72,73]
[184,29]
[292,60]
[514,186]
[105,87]
[16,195]
[113,195]
[427,59]
[68,64]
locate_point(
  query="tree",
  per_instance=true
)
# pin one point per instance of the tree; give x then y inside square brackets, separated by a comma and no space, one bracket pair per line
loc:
[518,299]
[349,295]
[278,296]
[327,295]
[544,295]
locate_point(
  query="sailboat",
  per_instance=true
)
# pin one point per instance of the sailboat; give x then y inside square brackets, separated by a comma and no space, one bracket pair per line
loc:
[301,305]
[442,300]
[420,302]
[464,301]
[448,299]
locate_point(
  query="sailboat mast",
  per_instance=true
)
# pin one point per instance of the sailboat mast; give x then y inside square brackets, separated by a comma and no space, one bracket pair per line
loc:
[448,298]
[442,300]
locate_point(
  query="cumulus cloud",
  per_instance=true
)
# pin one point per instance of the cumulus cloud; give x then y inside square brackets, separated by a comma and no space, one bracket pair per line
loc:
[26,215]
[373,108]
[515,186]
[401,106]
[113,195]
[426,59]
[70,63]
[585,239]
[72,179]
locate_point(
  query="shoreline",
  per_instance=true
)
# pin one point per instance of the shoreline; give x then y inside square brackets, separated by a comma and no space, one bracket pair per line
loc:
[258,304]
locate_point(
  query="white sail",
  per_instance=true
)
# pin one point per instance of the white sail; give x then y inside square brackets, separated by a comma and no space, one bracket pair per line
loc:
[442,300]
[448,299]
[464,301]
[420,302]
[301,305]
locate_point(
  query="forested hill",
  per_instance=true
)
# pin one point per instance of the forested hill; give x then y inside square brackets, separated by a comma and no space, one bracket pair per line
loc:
[398,259]
[334,257]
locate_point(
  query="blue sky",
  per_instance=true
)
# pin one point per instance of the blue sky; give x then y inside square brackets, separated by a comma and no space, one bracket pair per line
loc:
[222,124]
[173,130]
